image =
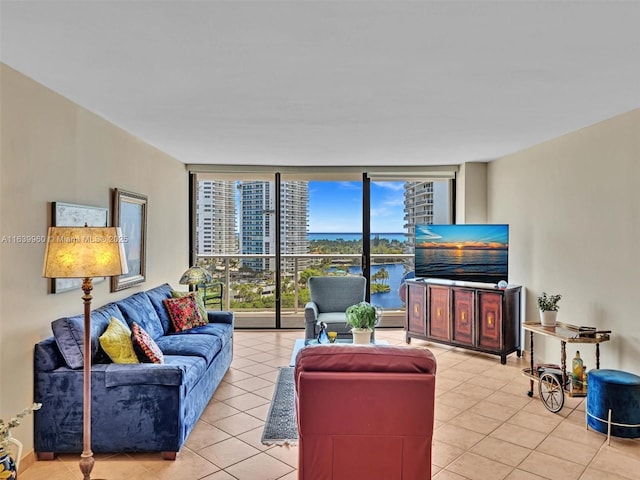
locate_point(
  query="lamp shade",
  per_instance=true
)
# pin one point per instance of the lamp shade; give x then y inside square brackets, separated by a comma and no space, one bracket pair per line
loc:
[84,252]
[196,276]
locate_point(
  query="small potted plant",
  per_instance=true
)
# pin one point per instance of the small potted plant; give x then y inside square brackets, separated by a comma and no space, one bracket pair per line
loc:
[362,317]
[7,464]
[548,306]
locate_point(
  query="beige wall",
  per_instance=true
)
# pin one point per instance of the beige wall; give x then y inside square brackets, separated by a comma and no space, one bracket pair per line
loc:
[471,193]
[573,205]
[54,150]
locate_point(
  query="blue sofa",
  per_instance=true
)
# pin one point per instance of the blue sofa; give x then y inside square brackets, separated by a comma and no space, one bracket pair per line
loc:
[144,407]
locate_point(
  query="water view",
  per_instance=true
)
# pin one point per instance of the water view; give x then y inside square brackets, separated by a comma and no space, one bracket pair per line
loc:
[390,299]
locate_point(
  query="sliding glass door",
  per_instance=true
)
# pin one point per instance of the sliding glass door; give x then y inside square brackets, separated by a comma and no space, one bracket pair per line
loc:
[263,235]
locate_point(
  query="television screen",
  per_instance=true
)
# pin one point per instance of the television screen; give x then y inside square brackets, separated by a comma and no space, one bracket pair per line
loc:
[469,253]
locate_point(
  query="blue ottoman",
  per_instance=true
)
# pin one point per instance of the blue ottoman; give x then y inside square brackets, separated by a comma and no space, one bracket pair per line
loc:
[613,402]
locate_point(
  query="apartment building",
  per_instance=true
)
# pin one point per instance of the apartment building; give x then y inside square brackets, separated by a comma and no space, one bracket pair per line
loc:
[216,218]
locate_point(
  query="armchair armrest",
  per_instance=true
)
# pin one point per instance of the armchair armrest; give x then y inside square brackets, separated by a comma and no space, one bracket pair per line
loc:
[311,312]
[220,316]
[310,319]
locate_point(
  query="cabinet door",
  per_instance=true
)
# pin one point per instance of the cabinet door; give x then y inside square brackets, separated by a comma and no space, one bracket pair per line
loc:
[416,314]
[490,324]
[463,310]
[439,307]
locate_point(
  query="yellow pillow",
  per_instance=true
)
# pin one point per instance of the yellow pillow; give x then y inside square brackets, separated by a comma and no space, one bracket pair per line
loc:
[199,301]
[116,342]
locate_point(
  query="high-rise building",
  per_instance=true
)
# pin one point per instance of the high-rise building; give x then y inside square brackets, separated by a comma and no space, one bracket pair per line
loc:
[257,221]
[216,217]
[425,202]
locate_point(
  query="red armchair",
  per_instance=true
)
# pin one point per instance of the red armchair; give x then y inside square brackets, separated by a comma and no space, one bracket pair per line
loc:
[365,412]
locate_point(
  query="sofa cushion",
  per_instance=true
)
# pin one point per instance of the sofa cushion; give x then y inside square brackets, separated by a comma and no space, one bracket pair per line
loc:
[69,335]
[184,312]
[116,342]
[156,296]
[176,371]
[146,349]
[138,308]
[223,331]
[205,346]
[199,300]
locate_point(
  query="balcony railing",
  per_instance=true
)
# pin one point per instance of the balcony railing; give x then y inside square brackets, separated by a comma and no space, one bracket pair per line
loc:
[250,279]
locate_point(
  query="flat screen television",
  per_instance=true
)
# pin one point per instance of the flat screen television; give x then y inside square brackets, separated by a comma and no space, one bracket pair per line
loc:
[467,253]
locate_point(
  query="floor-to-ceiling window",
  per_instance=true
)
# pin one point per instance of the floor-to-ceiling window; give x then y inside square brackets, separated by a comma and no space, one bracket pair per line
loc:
[263,234]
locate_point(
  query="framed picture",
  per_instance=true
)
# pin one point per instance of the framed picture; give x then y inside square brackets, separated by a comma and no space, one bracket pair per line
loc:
[70,215]
[130,214]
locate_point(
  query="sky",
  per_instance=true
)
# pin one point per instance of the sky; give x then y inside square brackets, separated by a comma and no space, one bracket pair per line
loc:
[337,207]
[463,235]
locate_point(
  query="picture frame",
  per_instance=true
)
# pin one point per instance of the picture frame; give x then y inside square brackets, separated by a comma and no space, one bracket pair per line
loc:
[71,215]
[130,214]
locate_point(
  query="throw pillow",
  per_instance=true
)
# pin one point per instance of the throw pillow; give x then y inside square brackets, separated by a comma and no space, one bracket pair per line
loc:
[184,312]
[199,300]
[144,346]
[116,342]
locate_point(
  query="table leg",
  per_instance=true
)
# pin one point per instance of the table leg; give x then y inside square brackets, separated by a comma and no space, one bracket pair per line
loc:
[563,359]
[531,363]
[597,356]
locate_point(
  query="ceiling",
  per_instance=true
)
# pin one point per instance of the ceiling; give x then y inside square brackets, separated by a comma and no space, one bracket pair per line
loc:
[335,82]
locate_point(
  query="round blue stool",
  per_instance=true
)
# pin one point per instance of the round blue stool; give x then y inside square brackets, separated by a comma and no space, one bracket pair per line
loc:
[613,403]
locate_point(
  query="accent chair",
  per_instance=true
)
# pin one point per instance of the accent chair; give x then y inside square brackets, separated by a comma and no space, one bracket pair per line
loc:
[329,299]
[365,412]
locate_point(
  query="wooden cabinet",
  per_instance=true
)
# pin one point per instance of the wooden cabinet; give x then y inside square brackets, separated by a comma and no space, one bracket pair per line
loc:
[416,303]
[465,315]
[438,304]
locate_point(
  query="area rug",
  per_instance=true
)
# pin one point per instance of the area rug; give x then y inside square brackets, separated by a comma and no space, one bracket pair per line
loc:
[281,427]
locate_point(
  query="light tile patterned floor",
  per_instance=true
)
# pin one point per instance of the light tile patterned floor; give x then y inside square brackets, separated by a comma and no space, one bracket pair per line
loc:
[486,428]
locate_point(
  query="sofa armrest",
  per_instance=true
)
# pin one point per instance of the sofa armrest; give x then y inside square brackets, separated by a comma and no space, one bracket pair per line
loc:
[217,316]
[118,375]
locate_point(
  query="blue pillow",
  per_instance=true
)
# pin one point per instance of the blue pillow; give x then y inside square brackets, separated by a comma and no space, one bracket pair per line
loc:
[69,335]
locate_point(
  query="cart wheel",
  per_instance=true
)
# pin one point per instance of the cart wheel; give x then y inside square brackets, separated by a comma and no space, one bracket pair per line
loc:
[551,392]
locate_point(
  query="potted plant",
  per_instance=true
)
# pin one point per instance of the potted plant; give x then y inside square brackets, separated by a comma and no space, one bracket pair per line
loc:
[362,317]
[8,467]
[548,306]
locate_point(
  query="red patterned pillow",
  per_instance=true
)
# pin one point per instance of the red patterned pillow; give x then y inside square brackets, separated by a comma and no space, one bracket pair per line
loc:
[146,349]
[184,312]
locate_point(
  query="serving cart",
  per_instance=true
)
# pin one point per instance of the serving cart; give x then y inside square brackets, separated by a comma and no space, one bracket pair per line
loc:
[553,380]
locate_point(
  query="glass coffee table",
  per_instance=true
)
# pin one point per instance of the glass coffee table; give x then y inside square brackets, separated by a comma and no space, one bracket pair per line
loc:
[302,342]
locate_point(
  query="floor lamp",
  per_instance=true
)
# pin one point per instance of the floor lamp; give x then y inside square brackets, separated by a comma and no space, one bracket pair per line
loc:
[85,252]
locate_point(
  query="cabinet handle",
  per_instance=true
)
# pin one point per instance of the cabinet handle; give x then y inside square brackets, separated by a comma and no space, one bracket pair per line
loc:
[416,309]
[463,316]
[439,311]
[490,320]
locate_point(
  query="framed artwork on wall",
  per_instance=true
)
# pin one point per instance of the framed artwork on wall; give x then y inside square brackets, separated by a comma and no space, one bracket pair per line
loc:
[130,214]
[71,215]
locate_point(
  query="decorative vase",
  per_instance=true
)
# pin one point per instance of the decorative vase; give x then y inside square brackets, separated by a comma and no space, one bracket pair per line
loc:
[361,336]
[548,318]
[7,466]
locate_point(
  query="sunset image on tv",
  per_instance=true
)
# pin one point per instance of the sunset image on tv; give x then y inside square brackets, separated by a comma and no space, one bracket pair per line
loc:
[474,253]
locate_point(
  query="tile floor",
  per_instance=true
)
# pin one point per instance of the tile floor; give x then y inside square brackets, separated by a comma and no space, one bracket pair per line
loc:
[486,428]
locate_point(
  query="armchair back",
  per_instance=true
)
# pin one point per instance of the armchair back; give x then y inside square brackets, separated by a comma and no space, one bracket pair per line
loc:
[336,294]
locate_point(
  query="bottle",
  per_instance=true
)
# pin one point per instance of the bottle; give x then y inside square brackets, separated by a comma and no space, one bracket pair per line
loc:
[577,370]
[322,336]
